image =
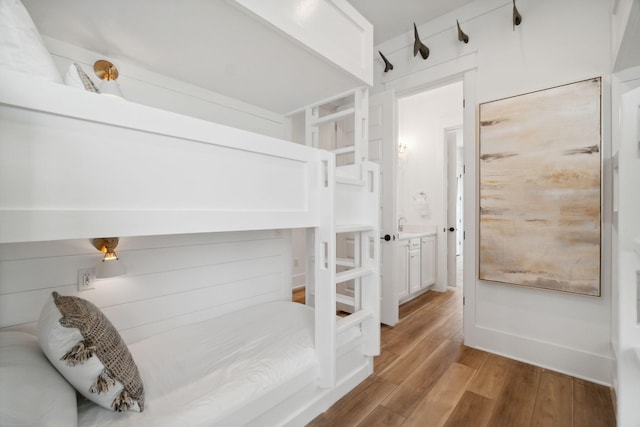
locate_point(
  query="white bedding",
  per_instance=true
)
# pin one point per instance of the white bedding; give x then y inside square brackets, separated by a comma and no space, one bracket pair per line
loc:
[198,374]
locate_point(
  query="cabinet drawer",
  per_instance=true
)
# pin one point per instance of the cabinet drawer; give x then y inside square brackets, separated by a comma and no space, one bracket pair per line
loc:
[414,244]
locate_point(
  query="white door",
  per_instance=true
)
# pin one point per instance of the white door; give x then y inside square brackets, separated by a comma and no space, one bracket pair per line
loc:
[454,188]
[383,150]
[451,139]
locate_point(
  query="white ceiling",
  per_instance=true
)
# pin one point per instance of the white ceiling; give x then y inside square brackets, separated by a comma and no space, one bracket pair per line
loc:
[214,45]
[390,18]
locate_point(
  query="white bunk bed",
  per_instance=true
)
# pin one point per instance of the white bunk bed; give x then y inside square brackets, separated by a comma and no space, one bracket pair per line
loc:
[68,170]
[74,165]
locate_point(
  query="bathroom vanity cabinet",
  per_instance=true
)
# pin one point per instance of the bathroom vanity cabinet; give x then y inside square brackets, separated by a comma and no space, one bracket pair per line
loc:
[416,264]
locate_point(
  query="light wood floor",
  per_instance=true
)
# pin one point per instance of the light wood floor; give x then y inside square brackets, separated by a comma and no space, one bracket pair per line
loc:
[426,377]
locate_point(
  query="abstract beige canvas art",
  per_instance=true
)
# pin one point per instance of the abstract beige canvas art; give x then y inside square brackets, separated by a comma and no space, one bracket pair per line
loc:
[540,189]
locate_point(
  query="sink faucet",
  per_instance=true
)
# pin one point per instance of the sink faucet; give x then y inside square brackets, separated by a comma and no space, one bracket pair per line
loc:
[401,222]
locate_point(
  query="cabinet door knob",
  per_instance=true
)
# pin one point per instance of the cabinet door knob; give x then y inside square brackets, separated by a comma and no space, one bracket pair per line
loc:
[386,237]
[452,229]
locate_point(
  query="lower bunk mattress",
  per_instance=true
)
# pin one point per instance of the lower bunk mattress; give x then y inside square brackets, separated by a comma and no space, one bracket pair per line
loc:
[198,375]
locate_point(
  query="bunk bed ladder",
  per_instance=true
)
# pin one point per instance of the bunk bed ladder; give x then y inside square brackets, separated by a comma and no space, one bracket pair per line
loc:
[322,244]
[340,124]
[346,252]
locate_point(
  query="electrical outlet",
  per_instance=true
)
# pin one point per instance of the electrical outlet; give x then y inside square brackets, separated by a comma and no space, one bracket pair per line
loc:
[86,279]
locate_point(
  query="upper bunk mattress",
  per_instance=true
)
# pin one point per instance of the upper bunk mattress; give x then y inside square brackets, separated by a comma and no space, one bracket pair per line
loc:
[198,374]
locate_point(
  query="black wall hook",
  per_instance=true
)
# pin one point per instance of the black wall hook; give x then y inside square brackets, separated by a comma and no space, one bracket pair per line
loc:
[387,65]
[461,35]
[418,46]
[517,18]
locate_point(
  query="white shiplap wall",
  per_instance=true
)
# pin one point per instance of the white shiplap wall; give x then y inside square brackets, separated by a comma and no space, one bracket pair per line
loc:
[170,280]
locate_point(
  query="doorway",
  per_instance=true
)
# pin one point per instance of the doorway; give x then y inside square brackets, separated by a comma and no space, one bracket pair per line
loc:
[429,175]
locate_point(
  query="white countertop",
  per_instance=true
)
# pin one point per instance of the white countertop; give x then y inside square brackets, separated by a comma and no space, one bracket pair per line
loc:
[409,232]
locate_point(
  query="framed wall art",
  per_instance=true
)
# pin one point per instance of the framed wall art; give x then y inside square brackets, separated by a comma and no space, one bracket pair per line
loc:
[540,189]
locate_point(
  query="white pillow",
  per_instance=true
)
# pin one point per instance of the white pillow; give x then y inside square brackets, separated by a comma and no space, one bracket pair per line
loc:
[88,351]
[32,392]
[76,77]
[21,47]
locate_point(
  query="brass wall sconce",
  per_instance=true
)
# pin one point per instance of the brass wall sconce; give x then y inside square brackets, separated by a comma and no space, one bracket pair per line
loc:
[110,265]
[108,73]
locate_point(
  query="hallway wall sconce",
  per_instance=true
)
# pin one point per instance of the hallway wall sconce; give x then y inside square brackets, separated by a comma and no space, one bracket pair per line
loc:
[108,73]
[402,148]
[110,265]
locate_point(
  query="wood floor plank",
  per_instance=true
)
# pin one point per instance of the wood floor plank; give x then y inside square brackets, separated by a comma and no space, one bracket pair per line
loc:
[437,405]
[319,421]
[423,323]
[404,366]
[554,401]
[491,376]
[353,408]
[386,333]
[404,399]
[401,343]
[416,304]
[514,406]
[472,357]
[472,410]
[592,405]
[382,362]
[381,417]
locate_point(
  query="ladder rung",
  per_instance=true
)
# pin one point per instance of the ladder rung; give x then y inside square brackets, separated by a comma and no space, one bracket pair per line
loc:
[356,318]
[344,150]
[334,116]
[353,228]
[349,181]
[345,262]
[345,299]
[352,274]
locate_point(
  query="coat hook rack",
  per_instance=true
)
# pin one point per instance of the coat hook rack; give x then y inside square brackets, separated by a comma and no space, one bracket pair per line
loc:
[517,18]
[418,46]
[461,35]
[387,65]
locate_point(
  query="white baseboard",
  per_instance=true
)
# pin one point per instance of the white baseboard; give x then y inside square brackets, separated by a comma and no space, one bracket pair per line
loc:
[592,367]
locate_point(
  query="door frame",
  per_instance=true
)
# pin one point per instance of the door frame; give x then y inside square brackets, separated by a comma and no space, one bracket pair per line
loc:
[462,68]
[388,151]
